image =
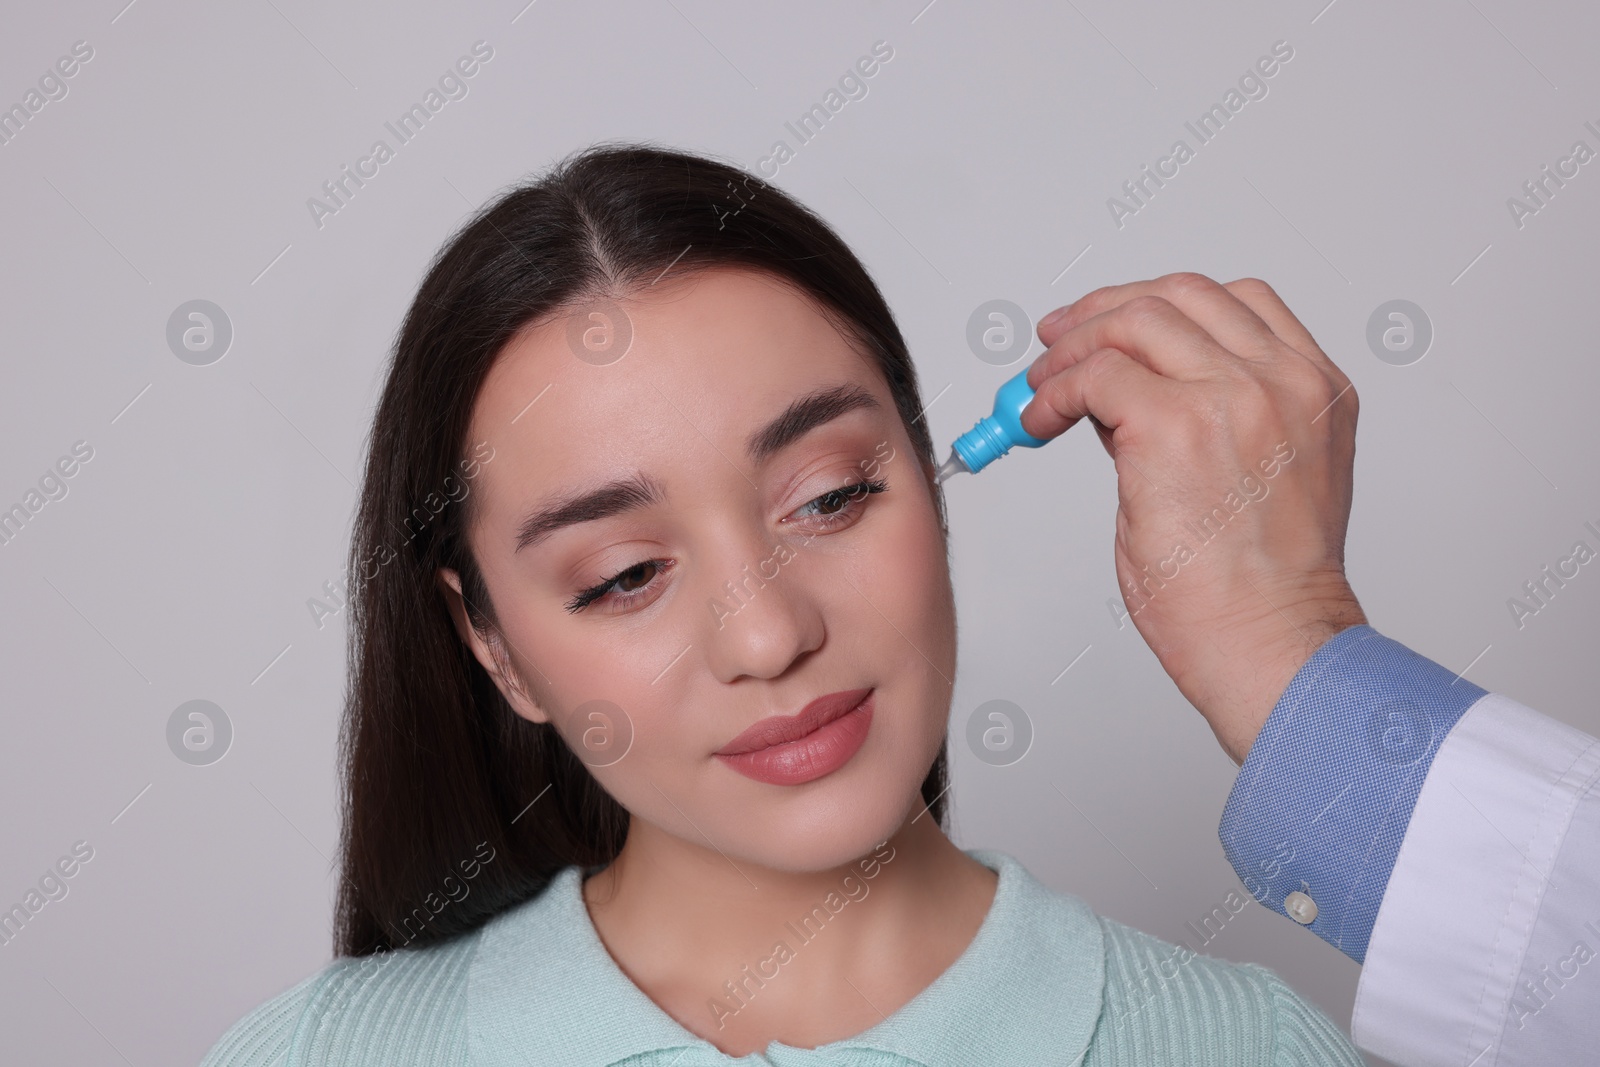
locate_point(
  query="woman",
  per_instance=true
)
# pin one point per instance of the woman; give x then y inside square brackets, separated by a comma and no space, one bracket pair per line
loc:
[653,643]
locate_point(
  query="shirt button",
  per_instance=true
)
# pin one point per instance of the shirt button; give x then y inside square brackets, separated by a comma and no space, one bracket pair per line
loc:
[1301,908]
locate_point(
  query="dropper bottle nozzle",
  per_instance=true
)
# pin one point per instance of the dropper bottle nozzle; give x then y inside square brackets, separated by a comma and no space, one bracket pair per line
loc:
[994,435]
[953,465]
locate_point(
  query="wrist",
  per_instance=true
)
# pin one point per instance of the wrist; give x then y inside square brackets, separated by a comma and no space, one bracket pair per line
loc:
[1266,658]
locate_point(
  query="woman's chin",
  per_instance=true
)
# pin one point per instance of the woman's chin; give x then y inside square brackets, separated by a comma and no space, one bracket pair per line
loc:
[798,838]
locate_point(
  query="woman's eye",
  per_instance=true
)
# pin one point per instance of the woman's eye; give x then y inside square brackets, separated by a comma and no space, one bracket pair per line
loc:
[626,586]
[841,505]
[833,509]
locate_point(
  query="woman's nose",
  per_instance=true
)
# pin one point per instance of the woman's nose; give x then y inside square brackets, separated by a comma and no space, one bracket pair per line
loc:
[762,615]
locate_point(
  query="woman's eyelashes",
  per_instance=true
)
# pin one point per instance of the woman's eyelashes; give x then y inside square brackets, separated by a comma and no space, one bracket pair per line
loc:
[639,572]
[842,497]
[827,513]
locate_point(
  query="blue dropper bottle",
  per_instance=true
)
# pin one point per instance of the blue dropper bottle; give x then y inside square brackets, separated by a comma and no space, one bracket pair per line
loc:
[995,434]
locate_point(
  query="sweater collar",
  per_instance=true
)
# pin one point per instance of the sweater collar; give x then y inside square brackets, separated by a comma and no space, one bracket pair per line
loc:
[543,989]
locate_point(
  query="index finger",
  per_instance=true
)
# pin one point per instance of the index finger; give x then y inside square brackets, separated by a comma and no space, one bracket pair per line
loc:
[1148,328]
[1108,385]
[1216,308]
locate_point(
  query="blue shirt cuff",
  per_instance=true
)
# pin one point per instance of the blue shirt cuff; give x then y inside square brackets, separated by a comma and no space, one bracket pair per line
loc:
[1324,796]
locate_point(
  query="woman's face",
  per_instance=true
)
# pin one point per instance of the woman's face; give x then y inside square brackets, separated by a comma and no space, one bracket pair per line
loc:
[753,580]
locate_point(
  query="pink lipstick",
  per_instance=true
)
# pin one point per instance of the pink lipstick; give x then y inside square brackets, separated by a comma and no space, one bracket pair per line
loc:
[792,749]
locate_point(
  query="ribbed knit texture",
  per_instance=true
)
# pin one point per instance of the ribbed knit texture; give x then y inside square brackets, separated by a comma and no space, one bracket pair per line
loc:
[1208,1013]
[1045,981]
[397,1009]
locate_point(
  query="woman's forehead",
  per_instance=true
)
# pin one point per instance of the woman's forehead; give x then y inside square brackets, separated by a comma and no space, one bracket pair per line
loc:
[712,358]
[726,344]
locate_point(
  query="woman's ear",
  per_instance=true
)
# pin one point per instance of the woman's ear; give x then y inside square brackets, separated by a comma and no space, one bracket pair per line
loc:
[488,648]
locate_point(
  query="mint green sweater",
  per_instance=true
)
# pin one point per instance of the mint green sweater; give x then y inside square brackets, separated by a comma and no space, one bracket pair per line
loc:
[1044,981]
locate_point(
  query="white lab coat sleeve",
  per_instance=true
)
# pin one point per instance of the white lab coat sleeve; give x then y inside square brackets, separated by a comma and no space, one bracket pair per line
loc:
[1485,951]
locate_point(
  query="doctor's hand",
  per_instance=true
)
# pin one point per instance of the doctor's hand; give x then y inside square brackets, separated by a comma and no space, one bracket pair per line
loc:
[1233,439]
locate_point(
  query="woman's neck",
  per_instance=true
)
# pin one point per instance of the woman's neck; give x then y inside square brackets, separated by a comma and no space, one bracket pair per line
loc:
[743,955]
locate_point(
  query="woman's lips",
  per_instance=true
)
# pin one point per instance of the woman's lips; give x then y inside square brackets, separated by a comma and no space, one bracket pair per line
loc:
[776,729]
[791,749]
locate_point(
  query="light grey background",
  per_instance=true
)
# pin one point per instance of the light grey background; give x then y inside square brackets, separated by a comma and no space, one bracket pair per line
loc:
[978,166]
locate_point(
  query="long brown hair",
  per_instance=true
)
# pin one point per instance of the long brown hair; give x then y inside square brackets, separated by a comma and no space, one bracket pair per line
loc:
[438,771]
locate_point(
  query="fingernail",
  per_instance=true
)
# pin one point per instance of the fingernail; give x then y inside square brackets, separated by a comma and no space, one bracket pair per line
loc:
[1054,315]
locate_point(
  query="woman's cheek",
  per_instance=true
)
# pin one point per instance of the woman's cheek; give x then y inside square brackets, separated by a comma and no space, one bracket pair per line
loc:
[919,570]
[911,558]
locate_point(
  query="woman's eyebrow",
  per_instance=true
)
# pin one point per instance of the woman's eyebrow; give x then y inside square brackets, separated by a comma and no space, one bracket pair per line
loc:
[804,415]
[614,497]
[639,490]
